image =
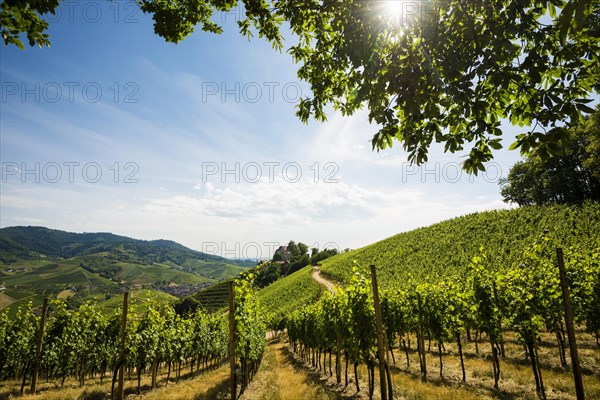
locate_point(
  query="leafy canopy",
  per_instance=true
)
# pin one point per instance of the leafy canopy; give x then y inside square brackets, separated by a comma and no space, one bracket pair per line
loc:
[24,16]
[569,178]
[439,70]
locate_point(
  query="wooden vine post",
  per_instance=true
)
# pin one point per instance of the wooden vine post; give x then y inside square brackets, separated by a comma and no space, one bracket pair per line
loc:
[121,386]
[338,358]
[38,347]
[232,375]
[570,328]
[380,340]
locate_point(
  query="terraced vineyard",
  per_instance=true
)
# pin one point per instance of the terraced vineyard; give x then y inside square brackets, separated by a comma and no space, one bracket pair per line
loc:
[213,298]
[214,269]
[462,300]
[446,249]
[27,280]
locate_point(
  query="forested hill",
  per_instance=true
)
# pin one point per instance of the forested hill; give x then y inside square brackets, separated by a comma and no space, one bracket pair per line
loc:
[29,242]
[446,249]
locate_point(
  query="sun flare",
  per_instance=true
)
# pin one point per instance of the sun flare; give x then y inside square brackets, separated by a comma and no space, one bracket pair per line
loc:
[393,8]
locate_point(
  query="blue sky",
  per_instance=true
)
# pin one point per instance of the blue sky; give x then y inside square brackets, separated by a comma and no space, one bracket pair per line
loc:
[112,129]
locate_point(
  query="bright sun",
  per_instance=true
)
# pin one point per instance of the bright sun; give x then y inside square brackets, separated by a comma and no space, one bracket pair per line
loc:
[393,8]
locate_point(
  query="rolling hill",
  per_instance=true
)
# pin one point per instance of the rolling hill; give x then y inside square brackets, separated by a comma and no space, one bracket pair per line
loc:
[29,242]
[96,266]
[445,249]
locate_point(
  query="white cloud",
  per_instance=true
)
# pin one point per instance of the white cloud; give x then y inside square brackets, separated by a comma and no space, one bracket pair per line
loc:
[234,215]
[274,202]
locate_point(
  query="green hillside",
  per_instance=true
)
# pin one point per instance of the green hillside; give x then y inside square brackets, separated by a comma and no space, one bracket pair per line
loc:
[280,298]
[139,274]
[288,294]
[32,242]
[29,280]
[213,269]
[445,249]
[139,300]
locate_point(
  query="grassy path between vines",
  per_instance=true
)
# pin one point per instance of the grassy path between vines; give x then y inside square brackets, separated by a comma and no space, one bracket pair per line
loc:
[280,376]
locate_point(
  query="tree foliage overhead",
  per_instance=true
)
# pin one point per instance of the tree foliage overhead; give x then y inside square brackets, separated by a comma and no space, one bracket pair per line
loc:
[445,71]
[570,178]
[448,72]
[19,17]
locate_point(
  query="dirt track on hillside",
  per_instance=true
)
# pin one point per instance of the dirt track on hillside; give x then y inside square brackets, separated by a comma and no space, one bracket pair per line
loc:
[316,275]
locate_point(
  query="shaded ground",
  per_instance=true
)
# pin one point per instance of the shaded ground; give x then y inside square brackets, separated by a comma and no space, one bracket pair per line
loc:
[281,377]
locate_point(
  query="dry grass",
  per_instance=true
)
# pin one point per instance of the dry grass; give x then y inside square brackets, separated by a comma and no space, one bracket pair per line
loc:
[207,385]
[5,300]
[284,376]
[281,377]
[65,294]
[212,385]
[516,381]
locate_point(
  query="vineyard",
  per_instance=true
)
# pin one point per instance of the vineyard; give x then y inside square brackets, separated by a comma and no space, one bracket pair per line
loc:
[85,343]
[470,308]
[445,249]
[213,298]
[477,279]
